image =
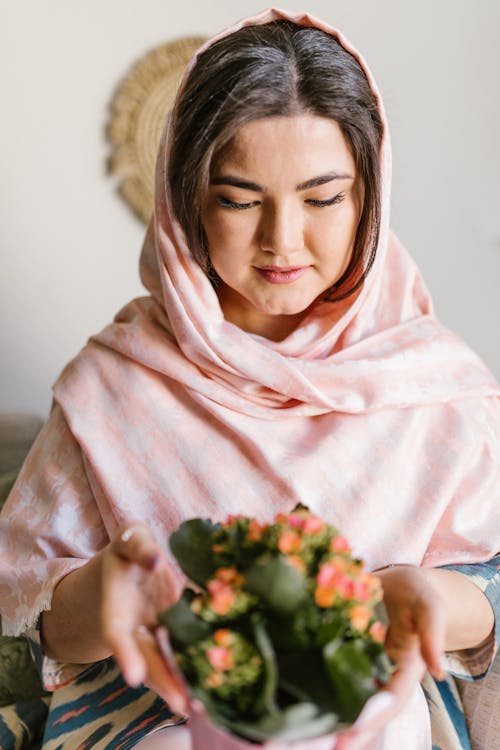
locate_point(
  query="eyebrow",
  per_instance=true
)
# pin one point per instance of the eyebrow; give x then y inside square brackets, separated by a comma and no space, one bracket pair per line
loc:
[239,182]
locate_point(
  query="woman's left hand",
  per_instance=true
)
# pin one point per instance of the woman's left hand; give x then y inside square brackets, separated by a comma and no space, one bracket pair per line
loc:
[415,641]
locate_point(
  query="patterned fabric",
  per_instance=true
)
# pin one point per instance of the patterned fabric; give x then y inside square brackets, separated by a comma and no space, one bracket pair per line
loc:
[22,724]
[463,718]
[99,711]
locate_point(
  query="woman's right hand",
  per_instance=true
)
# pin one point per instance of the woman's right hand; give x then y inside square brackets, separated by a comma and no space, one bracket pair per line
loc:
[136,585]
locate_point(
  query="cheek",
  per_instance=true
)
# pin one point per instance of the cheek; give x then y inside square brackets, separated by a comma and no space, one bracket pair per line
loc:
[337,233]
[229,237]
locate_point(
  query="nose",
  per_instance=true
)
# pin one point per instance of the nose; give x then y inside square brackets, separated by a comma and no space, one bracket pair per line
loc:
[282,230]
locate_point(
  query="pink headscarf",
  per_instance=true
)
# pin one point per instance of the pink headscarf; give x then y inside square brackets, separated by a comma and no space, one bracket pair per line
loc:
[384,423]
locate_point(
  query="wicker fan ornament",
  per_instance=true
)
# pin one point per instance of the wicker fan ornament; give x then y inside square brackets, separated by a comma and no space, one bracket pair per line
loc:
[138,113]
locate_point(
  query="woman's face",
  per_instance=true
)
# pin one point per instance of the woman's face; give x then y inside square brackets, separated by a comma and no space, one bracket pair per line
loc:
[281,216]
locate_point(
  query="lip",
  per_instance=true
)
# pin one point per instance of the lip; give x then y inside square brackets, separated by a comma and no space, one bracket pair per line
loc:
[281,274]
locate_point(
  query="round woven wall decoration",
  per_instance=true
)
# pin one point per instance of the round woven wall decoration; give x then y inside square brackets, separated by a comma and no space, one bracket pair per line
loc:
[138,112]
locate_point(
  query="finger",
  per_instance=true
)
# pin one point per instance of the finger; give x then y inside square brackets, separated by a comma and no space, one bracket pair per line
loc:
[136,543]
[387,703]
[356,741]
[430,623]
[377,711]
[159,677]
[409,672]
[130,659]
[119,619]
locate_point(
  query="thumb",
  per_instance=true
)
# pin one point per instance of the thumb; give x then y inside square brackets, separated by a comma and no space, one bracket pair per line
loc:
[136,543]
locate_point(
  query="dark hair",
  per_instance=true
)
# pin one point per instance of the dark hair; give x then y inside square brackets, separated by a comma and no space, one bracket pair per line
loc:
[276,69]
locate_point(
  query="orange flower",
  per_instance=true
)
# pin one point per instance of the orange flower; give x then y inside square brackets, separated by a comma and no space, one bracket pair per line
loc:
[196,605]
[296,562]
[289,542]
[324,596]
[378,631]
[360,616]
[375,585]
[220,658]
[223,637]
[215,680]
[228,575]
[255,531]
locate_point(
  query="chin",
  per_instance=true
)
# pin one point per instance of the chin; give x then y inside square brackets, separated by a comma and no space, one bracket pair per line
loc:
[287,307]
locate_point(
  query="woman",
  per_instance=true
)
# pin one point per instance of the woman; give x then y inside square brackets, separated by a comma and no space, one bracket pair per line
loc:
[287,352]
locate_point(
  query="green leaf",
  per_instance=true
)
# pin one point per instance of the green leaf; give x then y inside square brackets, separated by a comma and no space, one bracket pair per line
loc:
[331,628]
[191,545]
[303,675]
[298,722]
[183,625]
[278,585]
[267,700]
[352,675]
[219,711]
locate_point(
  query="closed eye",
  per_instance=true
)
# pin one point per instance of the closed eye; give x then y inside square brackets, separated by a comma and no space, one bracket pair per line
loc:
[226,203]
[327,202]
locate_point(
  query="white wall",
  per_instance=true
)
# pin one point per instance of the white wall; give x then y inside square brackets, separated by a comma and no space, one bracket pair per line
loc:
[69,246]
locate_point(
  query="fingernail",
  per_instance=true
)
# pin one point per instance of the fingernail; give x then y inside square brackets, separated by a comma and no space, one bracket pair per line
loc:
[374,708]
[151,561]
[440,673]
[127,535]
[134,677]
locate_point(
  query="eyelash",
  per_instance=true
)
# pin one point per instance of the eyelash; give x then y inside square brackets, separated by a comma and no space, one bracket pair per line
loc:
[226,203]
[328,202]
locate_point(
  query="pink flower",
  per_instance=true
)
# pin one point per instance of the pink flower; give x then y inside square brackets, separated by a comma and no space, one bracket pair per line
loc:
[220,658]
[313,525]
[328,574]
[331,571]
[345,588]
[361,591]
[378,631]
[222,597]
[339,544]
[295,521]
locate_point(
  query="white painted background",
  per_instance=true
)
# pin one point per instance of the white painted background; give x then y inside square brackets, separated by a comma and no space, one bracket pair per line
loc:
[69,246]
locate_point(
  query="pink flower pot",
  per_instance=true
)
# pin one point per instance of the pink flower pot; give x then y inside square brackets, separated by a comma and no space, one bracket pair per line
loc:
[207,736]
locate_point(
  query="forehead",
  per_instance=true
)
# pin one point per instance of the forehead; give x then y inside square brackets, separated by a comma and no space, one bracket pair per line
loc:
[303,144]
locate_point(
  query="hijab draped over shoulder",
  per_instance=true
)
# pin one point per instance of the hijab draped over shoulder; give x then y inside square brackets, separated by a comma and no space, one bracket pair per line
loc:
[380,420]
